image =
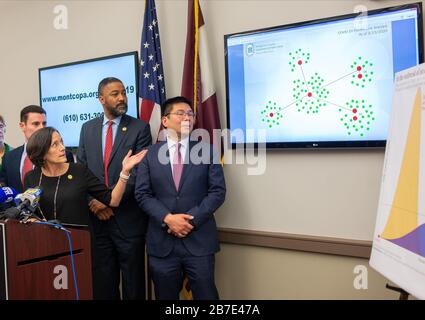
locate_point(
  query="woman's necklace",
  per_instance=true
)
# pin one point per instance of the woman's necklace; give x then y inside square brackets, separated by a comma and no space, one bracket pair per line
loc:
[54,197]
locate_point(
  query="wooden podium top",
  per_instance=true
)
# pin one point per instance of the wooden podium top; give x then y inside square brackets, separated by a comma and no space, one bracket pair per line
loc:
[39,261]
[32,241]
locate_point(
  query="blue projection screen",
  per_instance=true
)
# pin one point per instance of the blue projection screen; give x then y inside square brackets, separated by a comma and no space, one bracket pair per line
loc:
[322,83]
[69,95]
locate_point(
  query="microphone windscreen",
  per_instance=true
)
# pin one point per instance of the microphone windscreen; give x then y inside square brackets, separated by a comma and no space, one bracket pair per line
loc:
[7,194]
[31,196]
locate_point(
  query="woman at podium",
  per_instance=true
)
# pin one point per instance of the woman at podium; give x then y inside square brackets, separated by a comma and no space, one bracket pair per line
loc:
[66,186]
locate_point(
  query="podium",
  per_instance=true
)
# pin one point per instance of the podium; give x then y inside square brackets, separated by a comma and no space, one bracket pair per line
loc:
[35,262]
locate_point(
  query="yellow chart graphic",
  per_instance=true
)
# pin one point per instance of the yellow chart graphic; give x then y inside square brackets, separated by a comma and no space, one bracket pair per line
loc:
[403,217]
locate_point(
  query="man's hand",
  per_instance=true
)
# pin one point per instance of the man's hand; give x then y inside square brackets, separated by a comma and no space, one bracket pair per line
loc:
[105,214]
[178,224]
[102,211]
[96,206]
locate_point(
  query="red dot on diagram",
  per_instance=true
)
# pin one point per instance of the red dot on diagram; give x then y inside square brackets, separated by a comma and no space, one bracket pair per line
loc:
[309,94]
[300,62]
[271,114]
[359,68]
[360,76]
[354,118]
[354,110]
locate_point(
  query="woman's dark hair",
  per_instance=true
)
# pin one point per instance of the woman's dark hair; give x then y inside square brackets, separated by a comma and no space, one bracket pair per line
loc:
[39,144]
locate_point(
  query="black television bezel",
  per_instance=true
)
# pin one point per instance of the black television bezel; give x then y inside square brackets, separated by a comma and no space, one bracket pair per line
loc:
[342,144]
[135,55]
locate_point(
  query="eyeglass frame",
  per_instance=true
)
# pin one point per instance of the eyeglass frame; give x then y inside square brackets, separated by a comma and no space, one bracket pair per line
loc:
[191,115]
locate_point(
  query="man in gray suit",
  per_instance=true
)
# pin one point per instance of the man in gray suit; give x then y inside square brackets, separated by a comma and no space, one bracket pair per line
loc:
[118,234]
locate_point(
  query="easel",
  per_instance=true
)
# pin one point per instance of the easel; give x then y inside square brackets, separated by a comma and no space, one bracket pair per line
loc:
[404,295]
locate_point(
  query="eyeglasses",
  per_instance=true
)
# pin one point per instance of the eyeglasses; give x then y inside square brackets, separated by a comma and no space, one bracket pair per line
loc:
[181,113]
[2,126]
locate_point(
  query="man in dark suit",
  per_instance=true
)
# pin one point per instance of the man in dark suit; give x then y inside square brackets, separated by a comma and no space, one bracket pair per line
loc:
[16,163]
[180,184]
[119,233]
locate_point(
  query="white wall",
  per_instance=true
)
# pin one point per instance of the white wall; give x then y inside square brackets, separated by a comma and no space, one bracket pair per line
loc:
[320,193]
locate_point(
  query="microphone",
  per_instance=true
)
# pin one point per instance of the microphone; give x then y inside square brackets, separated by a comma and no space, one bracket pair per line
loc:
[7,194]
[29,199]
[11,213]
[26,203]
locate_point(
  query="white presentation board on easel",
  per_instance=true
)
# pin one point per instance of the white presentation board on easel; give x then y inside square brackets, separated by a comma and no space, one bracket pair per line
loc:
[398,250]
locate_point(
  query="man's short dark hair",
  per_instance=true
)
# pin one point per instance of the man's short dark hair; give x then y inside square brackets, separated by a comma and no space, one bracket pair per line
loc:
[31,109]
[39,144]
[105,82]
[168,104]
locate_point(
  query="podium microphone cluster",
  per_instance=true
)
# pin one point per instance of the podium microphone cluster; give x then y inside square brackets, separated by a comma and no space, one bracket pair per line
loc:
[26,203]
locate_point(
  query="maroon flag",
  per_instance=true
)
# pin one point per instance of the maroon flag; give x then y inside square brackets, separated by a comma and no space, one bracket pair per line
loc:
[197,84]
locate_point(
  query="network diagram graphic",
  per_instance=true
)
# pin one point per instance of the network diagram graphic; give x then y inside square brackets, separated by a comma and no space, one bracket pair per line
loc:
[311,95]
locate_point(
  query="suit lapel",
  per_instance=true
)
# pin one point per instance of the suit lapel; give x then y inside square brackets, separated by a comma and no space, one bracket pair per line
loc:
[121,133]
[17,164]
[188,165]
[97,138]
[167,169]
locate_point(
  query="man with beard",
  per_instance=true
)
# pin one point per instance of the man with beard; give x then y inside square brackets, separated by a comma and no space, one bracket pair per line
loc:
[119,233]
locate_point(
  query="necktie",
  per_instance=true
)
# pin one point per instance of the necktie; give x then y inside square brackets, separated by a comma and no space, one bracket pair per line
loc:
[177,166]
[26,168]
[107,152]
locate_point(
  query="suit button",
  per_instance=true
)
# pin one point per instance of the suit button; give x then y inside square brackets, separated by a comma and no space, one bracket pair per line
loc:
[177,197]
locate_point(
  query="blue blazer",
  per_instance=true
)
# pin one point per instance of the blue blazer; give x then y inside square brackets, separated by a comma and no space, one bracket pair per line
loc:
[132,134]
[202,191]
[10,174]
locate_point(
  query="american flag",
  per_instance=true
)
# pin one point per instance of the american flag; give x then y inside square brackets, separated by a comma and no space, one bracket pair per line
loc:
[151,76]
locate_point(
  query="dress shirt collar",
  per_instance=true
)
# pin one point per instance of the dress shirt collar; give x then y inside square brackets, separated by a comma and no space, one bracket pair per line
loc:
[172,143]
[117,120]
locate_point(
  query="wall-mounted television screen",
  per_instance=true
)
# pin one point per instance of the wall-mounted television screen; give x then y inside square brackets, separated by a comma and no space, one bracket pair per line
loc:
[68,92]
[322,83]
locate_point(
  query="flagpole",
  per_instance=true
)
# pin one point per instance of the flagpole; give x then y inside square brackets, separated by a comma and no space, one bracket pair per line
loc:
[195,82]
